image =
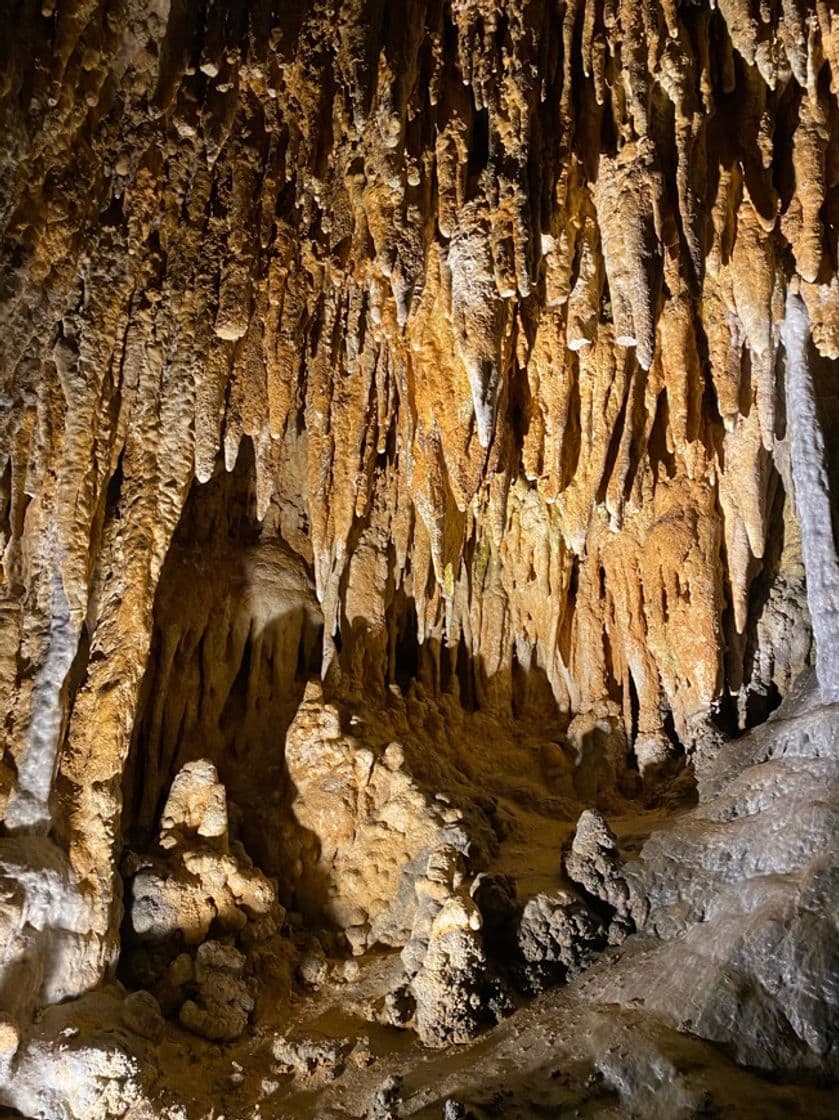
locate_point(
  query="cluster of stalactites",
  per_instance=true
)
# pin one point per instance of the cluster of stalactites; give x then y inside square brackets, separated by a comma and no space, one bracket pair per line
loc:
[493,287]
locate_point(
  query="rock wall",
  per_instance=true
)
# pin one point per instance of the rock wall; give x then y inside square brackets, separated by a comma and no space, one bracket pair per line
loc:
[486,301]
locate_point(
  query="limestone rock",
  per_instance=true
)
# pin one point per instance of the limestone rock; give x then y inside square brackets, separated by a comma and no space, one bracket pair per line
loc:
[198,881]
[417,426]
[386,1100]
[78,1064]
[738,890]
[450,990]
[557,936]
[196,806]
[313,968]
[223,999]
[309,1058]
[365,823]
[447,987]
[594,862]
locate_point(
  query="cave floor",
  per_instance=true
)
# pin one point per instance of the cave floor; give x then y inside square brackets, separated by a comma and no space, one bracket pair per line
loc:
[730,949]
[569,1052]
[560,1055]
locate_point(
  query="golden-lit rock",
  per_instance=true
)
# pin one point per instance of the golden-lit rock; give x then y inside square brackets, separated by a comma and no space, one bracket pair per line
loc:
[428,358]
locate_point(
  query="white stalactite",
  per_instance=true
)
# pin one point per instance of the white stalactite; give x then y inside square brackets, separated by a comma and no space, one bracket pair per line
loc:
[812,496]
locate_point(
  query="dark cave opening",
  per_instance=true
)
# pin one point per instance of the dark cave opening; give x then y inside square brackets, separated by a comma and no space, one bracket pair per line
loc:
[479,147]
[405,658]
[464,671]
[237,633]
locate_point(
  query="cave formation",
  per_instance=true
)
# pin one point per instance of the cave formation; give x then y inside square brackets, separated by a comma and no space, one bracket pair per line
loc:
[419,618]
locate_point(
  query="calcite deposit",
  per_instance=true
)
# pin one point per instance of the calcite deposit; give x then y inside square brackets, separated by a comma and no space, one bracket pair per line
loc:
[419,594]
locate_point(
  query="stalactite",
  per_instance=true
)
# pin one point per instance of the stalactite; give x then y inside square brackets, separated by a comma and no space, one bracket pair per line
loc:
[812,496]
[492,292]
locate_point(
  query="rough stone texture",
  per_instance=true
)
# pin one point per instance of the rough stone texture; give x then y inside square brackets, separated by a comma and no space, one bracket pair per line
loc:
[200,884]
[742,891]
[386,1101]
[557,936]
[594,863]
[311,1058]
[360,823]
[445,956]
[80,1063]
[223,1001]
[812,489]
[198,881]
[417,421]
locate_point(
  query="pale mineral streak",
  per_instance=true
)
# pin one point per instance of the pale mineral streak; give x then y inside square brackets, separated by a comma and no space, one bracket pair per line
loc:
[813,499]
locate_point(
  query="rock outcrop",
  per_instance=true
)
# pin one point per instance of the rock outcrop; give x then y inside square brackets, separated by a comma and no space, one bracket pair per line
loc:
[195,888]
[360,826]
[737,898]
[594,864]
[558,935]
[445,958]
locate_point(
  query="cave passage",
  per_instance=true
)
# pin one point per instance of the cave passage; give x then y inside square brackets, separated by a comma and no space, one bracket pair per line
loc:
[237,633]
